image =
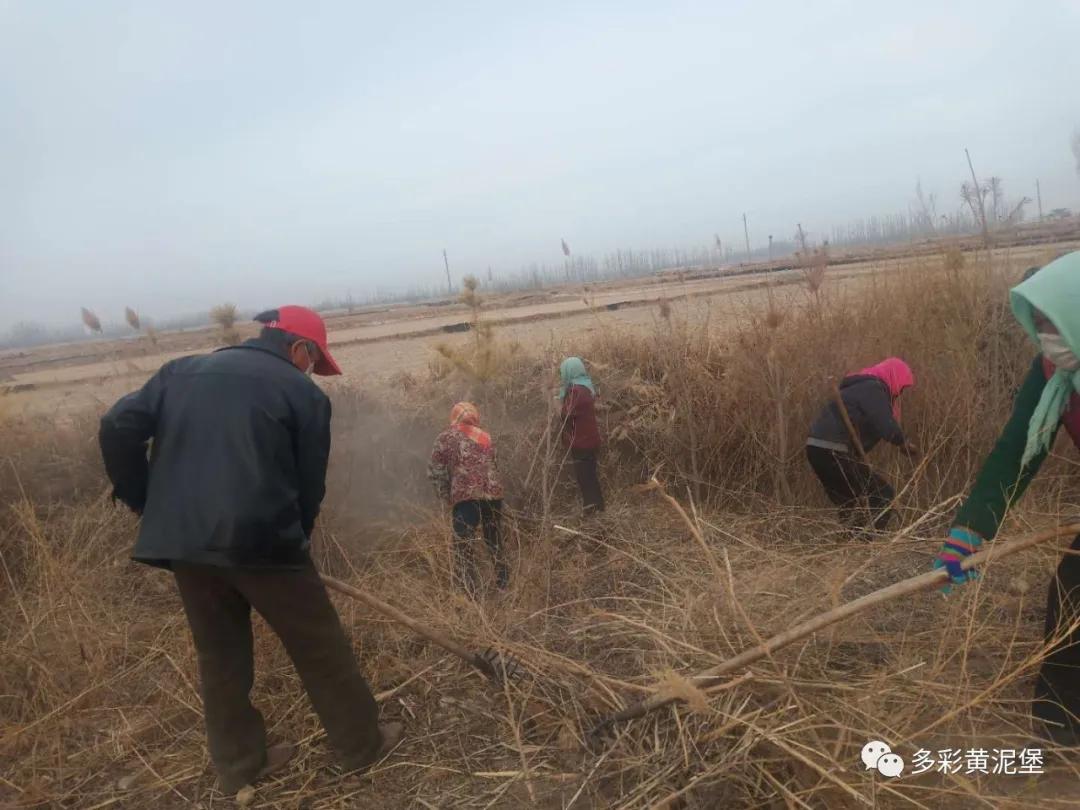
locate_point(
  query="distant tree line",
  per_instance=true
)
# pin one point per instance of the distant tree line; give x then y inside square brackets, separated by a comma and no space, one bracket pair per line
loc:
[978,200]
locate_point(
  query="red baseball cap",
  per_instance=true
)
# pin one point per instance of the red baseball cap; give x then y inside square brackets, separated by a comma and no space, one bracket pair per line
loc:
[308,324]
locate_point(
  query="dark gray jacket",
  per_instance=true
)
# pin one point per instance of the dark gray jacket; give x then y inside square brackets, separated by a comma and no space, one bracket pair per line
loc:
[869,406]
[238,446]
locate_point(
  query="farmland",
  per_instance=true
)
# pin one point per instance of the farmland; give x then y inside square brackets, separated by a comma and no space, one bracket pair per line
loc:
[707,384]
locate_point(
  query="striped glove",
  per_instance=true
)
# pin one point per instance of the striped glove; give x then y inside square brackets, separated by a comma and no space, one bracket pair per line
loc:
[960,545]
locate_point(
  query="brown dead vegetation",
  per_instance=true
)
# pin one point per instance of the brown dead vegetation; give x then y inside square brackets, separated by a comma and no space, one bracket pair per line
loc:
[99,704]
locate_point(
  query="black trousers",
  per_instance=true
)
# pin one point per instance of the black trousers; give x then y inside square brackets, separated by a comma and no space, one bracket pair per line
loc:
[1057,689]
[588,479]
[862,495]
[218,604]
[468,516]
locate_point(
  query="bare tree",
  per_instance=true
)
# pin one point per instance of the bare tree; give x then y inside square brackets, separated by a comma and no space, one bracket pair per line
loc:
[975,196]
[1017,213]
[927,209]
[997,198]
[800,237]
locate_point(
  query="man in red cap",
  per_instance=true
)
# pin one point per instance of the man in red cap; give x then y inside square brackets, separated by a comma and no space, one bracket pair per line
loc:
[238,445]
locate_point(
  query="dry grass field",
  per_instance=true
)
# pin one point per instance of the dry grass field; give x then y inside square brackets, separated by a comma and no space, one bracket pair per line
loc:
[709,392]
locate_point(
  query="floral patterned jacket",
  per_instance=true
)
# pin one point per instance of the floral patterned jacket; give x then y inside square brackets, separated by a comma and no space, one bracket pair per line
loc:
[463,470]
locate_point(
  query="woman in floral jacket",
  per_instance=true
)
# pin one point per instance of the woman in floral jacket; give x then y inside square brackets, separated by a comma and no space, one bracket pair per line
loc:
[464,471]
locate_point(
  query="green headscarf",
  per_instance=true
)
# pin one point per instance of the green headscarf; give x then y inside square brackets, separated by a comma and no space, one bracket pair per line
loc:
[572,372]
[1055,292]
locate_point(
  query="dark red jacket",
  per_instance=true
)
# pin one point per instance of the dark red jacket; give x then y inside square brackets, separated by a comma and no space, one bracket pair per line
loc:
[579,419]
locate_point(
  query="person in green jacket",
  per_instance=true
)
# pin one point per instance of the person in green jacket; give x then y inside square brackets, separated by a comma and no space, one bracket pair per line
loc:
[1047,306]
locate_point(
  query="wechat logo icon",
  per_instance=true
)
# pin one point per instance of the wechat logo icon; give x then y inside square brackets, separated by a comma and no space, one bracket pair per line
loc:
[878,756]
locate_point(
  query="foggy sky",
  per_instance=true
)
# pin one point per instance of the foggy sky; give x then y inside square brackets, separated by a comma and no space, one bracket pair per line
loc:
[170,156]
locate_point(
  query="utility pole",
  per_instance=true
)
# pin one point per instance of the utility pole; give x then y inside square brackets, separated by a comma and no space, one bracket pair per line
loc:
[1038,195]
[746,232]
[770,248]
[449,283]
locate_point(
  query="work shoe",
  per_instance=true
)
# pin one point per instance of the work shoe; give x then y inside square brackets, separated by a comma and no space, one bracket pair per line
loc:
[391,734]
[277,757]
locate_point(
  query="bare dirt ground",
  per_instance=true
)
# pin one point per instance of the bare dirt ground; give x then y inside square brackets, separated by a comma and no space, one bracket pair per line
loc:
[377,344]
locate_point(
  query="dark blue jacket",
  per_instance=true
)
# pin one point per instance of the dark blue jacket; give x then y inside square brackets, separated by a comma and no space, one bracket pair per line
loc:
[869,407]
[238,445]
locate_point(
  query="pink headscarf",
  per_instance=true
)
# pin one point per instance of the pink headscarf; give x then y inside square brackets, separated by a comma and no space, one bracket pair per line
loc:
[896,374]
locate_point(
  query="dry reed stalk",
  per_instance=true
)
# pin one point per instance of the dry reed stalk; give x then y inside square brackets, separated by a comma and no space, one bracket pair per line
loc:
[780,404]
[448,644]
[695,531]
[516,728]
[495,666]
[814,272]
[543,444]
[853,434]
[922,582]
[91,321]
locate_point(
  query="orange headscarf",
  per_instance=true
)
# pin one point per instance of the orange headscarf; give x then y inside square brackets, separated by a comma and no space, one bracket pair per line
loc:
[465,418]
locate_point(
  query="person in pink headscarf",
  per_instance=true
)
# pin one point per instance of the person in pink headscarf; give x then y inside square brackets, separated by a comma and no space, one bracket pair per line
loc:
[872,400]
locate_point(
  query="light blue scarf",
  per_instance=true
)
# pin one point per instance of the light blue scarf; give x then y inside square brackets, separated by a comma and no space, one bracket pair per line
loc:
[1055,292]
[572,372]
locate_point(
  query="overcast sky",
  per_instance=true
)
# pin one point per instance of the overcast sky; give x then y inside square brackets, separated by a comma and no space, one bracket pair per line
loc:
[171,155]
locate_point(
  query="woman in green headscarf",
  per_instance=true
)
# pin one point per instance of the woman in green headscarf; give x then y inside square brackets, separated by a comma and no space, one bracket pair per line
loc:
[1047,305]
[580,431]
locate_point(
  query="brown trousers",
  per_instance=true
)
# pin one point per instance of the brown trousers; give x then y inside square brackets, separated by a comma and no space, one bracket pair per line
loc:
[295,604]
